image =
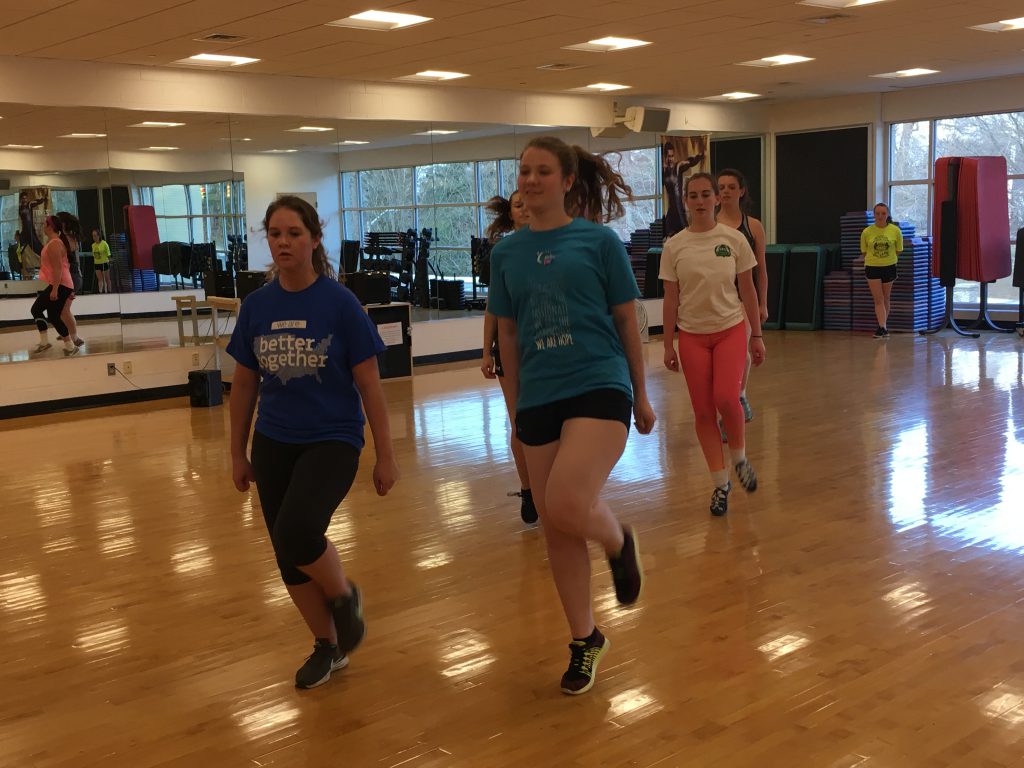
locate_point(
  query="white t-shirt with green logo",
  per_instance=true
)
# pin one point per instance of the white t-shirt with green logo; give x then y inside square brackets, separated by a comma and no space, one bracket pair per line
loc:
[705,264]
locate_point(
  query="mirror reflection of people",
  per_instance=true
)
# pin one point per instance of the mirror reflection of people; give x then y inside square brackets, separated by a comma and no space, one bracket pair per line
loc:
[72,234]
[50,301]
[101,261]
[509,215]
[700,267]
[564,295]
[675,216]
[734,212]
[26,215]
[305,346]
[881,243]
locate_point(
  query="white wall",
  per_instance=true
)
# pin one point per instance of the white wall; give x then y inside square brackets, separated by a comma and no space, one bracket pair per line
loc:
[268,175]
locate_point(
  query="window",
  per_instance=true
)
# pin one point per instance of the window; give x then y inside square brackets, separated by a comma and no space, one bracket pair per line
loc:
[198,213]
[449,199]
[913,149]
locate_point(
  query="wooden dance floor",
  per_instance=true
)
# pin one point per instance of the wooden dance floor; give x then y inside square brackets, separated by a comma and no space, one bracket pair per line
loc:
[864,608]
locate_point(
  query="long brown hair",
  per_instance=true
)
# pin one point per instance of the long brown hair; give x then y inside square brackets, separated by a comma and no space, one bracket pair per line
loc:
[597,188]
[310,219]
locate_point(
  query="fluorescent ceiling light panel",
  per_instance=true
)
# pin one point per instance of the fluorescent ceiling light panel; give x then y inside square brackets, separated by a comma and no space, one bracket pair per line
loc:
[607,87]
[733,96]
[310,129]
[279,151]
[350,142]
[432,76]
[607,44]
[217,60]
[158,149]
[776,61]
[23,146]
[380,20]
[435,132]
[839,3]
[83,136]
[1007,25]
[154,124]
[918,72]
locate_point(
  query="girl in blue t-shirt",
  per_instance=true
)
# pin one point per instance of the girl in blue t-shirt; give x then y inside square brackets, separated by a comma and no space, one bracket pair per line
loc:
[509,215]
[304,344]
[564,293]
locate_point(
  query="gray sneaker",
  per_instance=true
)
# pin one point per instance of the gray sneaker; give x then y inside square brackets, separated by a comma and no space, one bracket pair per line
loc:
[40,348]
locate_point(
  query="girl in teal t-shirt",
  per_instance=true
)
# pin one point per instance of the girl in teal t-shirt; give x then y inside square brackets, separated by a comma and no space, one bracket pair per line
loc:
[564,295]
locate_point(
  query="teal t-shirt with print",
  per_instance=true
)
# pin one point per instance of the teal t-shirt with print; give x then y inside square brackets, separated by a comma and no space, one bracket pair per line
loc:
[559,286]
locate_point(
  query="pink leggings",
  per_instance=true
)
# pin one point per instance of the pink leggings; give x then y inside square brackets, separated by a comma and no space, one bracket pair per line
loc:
[713,365]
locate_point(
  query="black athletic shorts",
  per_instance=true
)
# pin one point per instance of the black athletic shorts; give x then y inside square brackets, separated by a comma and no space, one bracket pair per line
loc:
[103,267]
[885,274]
[543,424]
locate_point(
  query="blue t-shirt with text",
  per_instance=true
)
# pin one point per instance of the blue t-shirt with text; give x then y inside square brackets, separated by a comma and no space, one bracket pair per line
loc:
[559,286]
[304,345]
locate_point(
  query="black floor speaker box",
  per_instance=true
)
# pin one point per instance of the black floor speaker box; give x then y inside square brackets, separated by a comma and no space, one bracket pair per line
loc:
[218,284]
[204,389]
[248,281]
[370,287]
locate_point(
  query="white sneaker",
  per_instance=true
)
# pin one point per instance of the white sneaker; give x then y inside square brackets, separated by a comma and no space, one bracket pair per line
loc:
[69,352]
[40,348]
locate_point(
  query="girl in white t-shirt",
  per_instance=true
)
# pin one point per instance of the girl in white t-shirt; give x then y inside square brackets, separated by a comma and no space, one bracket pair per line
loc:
[700,268]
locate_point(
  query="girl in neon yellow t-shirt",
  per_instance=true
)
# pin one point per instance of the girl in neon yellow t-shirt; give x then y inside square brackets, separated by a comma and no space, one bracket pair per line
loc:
[881,244]
[101,261]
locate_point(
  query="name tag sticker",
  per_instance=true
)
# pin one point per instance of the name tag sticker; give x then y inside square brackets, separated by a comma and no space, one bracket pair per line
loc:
[281,325]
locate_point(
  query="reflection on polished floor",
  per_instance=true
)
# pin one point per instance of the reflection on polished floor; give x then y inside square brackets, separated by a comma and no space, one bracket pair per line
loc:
[104,337]
[863,608]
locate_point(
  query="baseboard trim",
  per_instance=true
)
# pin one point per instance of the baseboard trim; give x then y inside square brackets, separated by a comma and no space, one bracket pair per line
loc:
[92,401]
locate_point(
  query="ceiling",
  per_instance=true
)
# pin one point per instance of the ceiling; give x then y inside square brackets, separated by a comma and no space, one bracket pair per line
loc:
[696,44]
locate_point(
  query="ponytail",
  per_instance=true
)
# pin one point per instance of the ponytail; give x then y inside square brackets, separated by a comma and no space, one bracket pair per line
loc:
[502,223]
[597,187]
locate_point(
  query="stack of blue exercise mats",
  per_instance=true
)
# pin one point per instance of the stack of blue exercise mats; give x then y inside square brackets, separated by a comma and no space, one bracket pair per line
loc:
[918,301]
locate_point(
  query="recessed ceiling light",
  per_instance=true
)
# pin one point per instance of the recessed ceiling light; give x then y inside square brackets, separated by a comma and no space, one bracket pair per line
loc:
[351,141]
[309,129]
[158,149]
[733,96]
[433,76]
[908,73]
[607,44]
[607,87]
[217,60]
[1008,25]
[435,132]
[82,136]
[838,3]
[23,146]
[776,61]
[154,124]
[279,151]
[379,20]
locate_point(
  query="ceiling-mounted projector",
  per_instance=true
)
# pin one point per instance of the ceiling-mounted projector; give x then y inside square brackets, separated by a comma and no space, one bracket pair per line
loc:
[636,119]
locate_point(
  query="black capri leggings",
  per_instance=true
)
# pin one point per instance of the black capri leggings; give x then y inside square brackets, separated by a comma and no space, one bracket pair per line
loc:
[43,307]
[300,486]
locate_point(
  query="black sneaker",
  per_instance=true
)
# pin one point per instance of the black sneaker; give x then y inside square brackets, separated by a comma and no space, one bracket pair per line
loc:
[880,333]
[627,575]
[347,611]
[720,500]
[527,509]
[885,333]
[326,658]
[579,677]
[747,476]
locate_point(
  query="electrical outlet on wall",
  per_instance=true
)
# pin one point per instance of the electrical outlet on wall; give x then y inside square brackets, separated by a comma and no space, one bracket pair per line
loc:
[111,369]
[195,358]
[126,366]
